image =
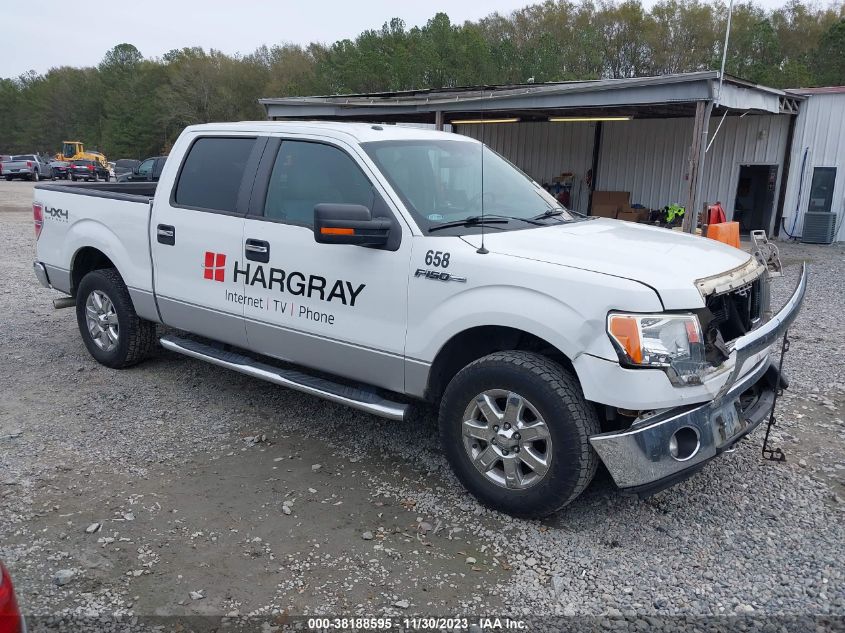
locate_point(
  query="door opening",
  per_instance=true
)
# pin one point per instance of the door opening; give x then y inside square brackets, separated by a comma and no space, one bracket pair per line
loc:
[755,197]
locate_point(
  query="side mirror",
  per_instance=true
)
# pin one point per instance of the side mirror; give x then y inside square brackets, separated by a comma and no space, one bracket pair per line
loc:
[349,224]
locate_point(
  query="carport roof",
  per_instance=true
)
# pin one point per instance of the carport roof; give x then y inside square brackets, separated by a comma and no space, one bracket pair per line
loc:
[651,97]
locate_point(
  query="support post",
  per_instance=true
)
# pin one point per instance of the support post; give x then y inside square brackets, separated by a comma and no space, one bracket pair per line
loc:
[696,164]
[595,165]
[438,120]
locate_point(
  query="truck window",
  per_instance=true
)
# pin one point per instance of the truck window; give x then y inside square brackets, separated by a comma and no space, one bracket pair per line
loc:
[146,167]
[307,174]
[212,172]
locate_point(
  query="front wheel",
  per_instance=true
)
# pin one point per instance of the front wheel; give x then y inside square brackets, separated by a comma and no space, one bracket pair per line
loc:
[515,427]
[35,176]
[111,329]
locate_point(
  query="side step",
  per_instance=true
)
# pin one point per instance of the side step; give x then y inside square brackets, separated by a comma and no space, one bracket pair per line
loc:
[320,387]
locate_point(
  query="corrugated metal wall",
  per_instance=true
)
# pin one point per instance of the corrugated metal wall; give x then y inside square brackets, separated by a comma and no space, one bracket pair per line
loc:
[646,157]
[542,150]
[820,129]
[650,158]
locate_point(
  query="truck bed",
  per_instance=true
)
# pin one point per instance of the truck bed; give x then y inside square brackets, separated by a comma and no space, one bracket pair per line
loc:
[128,191]
[112,218]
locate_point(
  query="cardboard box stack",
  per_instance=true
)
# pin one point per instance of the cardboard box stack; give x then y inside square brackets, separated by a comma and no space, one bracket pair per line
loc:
[617,205]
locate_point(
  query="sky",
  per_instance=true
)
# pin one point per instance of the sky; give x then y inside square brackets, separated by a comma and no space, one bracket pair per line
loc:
[44,34]
[36,36]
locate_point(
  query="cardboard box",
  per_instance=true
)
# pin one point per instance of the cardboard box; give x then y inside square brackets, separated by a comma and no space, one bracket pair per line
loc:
[633,215]
[608,204]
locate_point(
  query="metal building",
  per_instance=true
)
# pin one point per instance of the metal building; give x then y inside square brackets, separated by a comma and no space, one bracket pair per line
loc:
[816,182]
[687,139]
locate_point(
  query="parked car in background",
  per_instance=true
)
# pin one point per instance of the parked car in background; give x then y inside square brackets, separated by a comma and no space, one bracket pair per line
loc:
[11,620]
[124,166]
[147,171]
[60,169]
[88,170]
[26,166]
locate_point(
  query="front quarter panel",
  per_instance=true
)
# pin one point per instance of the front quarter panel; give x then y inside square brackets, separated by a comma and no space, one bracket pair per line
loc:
[564,306]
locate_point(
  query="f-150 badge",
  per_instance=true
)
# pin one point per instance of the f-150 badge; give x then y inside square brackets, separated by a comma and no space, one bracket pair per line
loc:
[438,275]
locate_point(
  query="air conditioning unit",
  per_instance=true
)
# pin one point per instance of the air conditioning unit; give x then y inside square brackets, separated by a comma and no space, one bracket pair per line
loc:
[819,227]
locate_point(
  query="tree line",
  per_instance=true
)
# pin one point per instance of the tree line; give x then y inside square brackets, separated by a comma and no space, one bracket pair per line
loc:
[132,106]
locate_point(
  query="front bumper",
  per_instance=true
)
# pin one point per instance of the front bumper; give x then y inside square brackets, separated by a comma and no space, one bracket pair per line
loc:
[640,459]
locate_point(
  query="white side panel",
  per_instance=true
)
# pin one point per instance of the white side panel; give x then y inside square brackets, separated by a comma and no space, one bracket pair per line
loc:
[820,130]
[117,228]
[542,150]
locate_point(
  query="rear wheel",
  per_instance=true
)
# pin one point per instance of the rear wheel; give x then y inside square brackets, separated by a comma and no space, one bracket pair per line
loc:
[515,427]
[111,329]
[36,176]
[8,179]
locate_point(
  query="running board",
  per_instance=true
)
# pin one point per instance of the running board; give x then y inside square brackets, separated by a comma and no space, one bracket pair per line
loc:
[292,379]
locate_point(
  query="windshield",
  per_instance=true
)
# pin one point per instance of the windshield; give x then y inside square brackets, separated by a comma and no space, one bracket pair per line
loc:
[441,181]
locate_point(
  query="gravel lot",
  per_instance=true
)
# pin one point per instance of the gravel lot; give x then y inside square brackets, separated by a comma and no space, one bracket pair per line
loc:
[176,489]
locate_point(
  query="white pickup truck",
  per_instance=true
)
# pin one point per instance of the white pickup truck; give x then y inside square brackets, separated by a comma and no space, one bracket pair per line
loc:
[378,266]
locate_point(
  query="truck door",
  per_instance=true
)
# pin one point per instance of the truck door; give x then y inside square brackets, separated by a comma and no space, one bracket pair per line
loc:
[197,237]
[338,308]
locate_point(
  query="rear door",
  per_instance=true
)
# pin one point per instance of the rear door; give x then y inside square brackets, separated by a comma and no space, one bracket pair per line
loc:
[197,237]
[338,308]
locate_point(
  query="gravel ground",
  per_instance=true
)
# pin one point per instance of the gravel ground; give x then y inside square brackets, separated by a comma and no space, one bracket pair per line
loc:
[179,489]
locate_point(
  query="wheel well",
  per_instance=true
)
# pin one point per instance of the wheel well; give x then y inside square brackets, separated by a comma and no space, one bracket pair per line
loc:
[477,342]
[86,260]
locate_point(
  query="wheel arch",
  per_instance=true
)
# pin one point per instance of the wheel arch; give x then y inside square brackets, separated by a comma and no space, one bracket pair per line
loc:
[476,342]
[85,260]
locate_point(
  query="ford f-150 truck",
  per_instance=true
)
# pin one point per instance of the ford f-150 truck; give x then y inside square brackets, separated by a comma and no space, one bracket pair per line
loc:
[378,266]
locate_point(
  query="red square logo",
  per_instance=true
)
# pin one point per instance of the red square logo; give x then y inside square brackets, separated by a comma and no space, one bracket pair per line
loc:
[214,266]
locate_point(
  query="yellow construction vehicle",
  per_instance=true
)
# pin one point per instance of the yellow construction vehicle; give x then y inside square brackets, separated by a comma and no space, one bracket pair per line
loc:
[74,150]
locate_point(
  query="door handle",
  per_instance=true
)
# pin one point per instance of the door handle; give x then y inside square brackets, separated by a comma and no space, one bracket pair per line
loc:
[166,234]
[257,250]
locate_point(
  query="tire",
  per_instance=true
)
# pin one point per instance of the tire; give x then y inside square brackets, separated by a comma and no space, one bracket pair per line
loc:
[8,179]
[550,396]
[135,337]
[36,176]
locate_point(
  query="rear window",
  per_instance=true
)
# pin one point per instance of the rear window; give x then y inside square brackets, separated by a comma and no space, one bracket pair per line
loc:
[84,163]
[212,172]
[24,157]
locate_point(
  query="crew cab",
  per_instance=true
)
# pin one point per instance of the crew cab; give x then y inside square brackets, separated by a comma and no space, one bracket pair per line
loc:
[379,267]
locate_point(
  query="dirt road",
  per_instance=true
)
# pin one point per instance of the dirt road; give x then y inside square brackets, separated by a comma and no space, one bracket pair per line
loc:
[178,488]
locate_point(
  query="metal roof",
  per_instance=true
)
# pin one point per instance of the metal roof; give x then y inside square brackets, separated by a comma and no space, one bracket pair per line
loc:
[824,90]
[667,95]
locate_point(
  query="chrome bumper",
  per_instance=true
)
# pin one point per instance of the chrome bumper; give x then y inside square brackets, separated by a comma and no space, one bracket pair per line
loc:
[41,274]
[639,458]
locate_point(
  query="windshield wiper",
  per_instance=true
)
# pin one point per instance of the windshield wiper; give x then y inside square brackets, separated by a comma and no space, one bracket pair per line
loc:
[472,220]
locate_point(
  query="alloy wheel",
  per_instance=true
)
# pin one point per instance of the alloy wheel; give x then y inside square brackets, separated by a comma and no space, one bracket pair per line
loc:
[507,439]
[101,319]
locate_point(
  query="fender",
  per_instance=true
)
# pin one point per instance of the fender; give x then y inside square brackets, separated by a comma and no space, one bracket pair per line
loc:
[564,306]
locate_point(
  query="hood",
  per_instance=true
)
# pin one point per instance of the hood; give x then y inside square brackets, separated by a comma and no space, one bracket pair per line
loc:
[668,261]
